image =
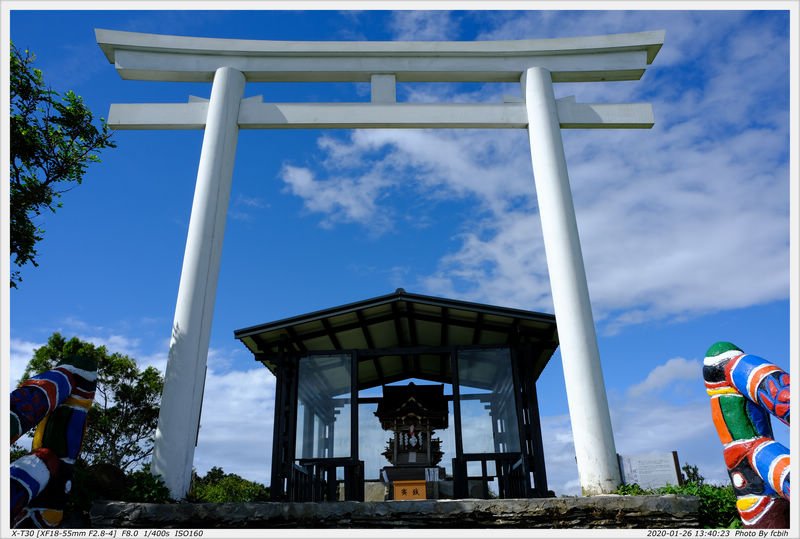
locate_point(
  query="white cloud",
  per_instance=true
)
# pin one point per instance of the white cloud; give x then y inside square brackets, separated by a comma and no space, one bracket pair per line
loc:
[251,202]
[342,199]
[21,354]
[423,25]
[648,424]
[244,208]
[236,424]
[238,405]
[559,455]
[114,343]
[664,376]
[156,359]
[685,219]
[667,411]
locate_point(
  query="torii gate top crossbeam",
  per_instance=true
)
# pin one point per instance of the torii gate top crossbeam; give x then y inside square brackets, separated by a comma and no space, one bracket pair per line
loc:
[191,59]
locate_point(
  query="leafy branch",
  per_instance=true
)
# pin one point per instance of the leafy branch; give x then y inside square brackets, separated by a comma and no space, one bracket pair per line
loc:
[53,141]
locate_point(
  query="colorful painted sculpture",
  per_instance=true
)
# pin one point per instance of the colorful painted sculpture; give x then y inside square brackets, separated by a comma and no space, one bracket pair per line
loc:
[59,401]
[37,397]
[744,390]
[29,476]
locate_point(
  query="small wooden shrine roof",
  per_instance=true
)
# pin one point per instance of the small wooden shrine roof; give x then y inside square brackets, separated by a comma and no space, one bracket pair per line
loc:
[424,401]
[402,335]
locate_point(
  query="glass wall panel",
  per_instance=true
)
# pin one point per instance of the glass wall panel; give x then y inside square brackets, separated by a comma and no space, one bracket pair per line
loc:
[372,440]
[488,410]
[323,407]
[448,436]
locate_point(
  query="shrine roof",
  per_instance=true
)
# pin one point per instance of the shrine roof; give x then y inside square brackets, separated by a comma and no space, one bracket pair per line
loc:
[424,401]
[402,334]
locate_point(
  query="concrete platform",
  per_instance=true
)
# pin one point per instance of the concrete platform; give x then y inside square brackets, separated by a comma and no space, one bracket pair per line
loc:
[579,512]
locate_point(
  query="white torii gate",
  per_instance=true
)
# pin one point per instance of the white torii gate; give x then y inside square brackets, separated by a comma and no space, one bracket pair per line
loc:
[229,63]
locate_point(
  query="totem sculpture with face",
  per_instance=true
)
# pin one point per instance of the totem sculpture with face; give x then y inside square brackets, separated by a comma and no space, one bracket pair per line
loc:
[58,401]
[744,390]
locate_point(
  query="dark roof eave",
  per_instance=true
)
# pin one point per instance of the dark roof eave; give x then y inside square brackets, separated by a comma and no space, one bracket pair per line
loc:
[399,294]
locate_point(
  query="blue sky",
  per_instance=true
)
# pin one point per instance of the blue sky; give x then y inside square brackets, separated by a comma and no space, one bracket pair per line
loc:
[684,227]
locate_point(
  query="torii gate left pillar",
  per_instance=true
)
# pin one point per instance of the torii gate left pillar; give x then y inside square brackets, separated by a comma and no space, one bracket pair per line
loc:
[184,380]
[536,63]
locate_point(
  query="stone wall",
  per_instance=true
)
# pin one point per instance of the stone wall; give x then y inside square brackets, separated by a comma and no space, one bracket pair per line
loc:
[591,512]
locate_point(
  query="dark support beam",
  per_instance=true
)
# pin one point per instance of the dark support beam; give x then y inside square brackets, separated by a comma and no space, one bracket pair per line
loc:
[365,329]
[518,381]
[445,321]
[399,351]
[398,325]
[354,482]
[412,324]
[397,314]
[293,365]
[444,338]
[476,333]
[401,336]
[298,343]
[284,429]
[278,433]
[331,334]
[539,473]
[417,350]
[460,487]
[378,368]
[540,361]
[263,346]
[513,333]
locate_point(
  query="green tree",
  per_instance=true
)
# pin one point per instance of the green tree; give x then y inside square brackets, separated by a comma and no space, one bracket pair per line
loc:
[692,474]
[123,418]
[142,486]
[218,487]
[53,140]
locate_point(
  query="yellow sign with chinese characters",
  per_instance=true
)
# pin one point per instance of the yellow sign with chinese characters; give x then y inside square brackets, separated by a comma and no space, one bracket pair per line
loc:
[410,490]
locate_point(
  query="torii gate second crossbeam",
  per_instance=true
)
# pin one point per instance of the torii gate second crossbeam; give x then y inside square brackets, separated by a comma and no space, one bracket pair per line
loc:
[229,63]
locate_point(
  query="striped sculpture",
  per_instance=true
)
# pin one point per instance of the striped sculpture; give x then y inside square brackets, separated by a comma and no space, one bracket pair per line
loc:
[58,401]
[744,390]
[38,397]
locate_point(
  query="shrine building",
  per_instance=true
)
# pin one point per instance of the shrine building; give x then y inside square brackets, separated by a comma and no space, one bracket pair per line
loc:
[406,396]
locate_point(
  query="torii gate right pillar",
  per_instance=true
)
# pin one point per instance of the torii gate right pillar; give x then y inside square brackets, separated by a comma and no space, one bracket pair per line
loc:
[586,395]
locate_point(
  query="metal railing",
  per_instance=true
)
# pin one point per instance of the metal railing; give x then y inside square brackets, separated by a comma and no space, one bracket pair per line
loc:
[317,480]
[509,470]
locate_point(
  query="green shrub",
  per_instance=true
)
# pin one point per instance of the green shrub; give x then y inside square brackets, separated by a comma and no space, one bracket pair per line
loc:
[632,490]
[105,481]
[219,487]
[145,487]
[717,503]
